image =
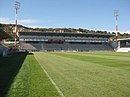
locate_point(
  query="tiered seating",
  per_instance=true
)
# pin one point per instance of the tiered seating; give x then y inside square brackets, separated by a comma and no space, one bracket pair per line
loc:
[75,47]
[55,47]
[66,47]
[37,46]
[100,47]
[27,46]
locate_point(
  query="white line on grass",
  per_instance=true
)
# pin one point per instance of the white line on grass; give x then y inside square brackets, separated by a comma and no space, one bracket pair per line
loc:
[57,88]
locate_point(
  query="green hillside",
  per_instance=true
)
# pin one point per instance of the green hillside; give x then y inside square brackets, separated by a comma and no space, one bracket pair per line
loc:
[10,27]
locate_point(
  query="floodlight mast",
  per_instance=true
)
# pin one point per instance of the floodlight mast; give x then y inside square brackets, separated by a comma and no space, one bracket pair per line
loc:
[17,7]
[116,14]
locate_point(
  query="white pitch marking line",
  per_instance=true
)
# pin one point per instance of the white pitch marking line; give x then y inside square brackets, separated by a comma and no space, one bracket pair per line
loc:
[57,88]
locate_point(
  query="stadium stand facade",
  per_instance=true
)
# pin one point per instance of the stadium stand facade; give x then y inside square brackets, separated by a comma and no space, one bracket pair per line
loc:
[3,48]
[67,41]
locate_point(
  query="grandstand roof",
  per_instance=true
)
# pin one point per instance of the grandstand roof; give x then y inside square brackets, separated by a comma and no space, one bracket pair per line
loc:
[4,35]
[66,34]
[124,39]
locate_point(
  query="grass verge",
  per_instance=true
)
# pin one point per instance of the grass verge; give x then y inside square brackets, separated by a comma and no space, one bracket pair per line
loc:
[31,81]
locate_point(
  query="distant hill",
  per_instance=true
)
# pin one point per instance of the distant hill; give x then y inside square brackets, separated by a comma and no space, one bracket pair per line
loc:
[10,27]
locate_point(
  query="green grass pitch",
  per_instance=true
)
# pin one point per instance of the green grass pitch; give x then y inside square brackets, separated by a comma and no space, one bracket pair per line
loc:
[76,74]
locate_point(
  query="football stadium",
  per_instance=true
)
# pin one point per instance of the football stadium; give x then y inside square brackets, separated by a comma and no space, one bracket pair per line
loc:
[67,64]
[64,62]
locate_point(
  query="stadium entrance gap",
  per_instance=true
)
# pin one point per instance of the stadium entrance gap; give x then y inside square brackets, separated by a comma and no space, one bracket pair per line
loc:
[123,45]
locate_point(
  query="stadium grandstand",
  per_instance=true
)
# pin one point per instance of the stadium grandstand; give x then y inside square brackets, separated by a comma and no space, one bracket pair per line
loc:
[3,48]
[123,45]
[65,41]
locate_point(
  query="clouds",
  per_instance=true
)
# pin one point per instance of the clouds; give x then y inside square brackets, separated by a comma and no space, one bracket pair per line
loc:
[22,21]
[6,21]
[128,31]
[27,21]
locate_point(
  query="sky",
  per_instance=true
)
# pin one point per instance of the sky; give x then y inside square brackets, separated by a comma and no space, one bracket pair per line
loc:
[86,14]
